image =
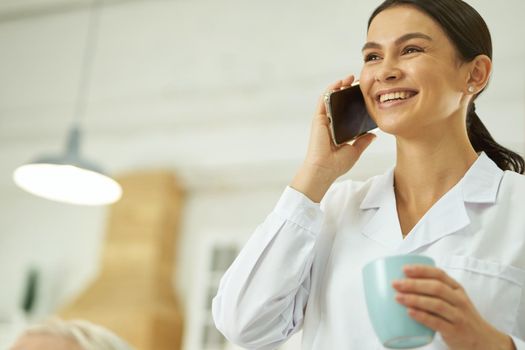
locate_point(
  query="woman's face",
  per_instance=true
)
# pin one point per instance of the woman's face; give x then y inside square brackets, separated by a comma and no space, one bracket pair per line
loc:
[44,342]
[411,79]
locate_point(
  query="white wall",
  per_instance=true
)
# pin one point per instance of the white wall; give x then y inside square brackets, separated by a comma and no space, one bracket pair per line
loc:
[220,91]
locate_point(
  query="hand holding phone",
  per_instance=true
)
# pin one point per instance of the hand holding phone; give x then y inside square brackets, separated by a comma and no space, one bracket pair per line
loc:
[348,115]
[324,163]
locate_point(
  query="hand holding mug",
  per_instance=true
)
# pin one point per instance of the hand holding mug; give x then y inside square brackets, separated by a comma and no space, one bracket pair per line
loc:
[390,320]
[437,301]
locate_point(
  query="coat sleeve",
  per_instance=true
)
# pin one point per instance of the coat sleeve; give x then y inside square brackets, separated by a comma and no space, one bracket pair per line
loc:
[518,343]
[262,296]
[519,331]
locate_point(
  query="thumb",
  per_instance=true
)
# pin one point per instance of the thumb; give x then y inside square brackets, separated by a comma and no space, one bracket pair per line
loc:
[363,142]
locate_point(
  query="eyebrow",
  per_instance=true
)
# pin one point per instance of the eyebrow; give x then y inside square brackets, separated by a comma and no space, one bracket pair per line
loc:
[403,38]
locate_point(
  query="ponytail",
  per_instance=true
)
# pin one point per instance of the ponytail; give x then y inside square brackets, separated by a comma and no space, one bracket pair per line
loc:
[482,141]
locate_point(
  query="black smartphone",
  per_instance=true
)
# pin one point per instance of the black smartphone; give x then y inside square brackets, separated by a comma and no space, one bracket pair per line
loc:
[348,116]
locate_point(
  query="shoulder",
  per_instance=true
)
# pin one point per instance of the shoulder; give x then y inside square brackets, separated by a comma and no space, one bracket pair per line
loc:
[512,184]
[511,194]
[514,177]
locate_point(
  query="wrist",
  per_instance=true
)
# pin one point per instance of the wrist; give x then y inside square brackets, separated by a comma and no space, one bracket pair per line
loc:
[502,341]
[507,343]
[313,181]
[510,343]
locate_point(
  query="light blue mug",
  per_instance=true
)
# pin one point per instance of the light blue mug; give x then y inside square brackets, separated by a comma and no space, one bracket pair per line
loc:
[391,322]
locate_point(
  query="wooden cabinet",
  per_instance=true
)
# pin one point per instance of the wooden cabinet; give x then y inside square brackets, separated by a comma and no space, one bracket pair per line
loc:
[133,294]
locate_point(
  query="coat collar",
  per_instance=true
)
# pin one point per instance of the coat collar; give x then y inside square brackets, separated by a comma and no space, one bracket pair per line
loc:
[480,184]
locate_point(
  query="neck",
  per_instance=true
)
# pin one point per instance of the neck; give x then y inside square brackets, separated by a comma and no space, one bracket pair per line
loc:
[430,165]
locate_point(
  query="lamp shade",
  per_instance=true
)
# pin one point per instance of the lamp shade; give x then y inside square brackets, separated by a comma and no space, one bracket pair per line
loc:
[68,178]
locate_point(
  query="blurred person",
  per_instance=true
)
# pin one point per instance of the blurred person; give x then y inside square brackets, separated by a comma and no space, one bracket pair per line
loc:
[454,194]
[57,334]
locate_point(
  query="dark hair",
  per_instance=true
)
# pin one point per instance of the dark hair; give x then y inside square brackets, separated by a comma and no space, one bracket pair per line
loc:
[470,35]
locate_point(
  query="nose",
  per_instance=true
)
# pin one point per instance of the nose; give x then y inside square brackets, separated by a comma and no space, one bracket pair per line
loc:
[388,72]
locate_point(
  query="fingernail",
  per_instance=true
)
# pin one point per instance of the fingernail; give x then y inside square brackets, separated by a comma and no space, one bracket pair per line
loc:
[397,283]
[408,268]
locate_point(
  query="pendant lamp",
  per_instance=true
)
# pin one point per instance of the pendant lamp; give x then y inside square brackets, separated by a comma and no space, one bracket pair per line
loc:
[68,177]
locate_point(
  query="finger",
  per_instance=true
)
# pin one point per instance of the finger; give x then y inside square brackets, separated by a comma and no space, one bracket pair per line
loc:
[433,305]
[425,271]
[429,287]
[321,107]
[362,142]
[340,84]
[320,125]
[431,321]
[335,86]
[355,150]
[346,82]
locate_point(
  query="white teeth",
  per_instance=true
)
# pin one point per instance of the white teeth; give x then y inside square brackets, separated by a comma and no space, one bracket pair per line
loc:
[396,96]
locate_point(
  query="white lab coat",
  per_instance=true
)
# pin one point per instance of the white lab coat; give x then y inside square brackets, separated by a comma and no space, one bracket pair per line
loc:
[302,266]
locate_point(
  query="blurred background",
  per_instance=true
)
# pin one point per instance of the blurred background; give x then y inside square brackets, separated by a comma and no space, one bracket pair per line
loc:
[201,110]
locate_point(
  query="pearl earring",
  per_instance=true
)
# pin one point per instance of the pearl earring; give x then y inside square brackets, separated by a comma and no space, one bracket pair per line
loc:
[470,89]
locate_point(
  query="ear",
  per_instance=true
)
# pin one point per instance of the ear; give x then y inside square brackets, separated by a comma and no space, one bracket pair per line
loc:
[480,69]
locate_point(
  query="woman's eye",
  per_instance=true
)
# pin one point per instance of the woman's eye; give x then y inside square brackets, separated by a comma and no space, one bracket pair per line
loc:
[371,57]
[412,49]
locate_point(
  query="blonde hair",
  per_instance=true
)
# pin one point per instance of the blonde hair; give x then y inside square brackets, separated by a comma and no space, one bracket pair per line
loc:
[88,335]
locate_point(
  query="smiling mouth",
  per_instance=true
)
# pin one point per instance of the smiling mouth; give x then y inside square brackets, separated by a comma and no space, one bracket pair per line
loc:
[392,97]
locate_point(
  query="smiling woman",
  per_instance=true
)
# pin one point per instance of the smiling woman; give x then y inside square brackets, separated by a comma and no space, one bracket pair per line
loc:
[452,195]
[461,35]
